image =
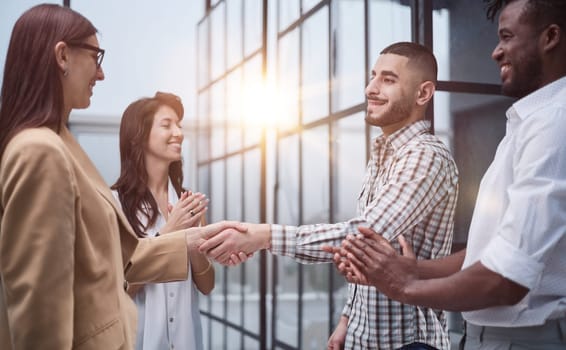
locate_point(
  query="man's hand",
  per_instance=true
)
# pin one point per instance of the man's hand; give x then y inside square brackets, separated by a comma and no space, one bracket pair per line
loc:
[338,337]
[198,235]
[370,259]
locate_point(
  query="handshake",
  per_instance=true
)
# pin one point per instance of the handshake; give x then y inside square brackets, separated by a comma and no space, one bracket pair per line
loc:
[363,258]
[229,242]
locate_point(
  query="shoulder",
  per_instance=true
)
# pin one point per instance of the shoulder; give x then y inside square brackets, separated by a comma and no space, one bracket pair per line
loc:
[36,138]
[36,145]
[429,153]
[429,145]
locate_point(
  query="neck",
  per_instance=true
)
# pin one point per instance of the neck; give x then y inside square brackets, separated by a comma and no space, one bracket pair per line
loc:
[65,117]
[413,118]
[157,175]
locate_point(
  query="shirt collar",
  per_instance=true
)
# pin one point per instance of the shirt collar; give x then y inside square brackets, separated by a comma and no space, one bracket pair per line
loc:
[403,135]
[537,99]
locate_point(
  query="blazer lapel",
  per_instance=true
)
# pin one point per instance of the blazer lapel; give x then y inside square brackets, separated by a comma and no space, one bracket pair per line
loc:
[94,175]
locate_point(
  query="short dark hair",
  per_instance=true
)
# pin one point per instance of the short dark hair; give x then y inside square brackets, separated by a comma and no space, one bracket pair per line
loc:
[540,12]
[419,57]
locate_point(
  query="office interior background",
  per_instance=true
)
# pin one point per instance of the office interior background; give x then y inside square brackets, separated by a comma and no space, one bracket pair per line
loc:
[274,125]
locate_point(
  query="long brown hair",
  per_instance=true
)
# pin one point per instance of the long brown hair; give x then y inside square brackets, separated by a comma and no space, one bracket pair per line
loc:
[133,191]
[32,93]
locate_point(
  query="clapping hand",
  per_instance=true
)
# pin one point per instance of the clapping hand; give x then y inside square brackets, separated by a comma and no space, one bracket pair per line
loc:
[187,212]
[370,259]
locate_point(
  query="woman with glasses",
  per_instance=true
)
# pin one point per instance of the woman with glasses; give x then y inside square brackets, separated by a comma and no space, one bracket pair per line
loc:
[67,252]
[149,189]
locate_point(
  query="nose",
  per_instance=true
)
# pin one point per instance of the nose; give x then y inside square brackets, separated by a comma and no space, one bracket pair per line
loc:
[372,87]
[497,53]
[178,132]
[99,73]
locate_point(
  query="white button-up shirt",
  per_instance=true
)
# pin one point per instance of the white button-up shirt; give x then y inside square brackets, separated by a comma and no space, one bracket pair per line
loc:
[518,229]
[168,313]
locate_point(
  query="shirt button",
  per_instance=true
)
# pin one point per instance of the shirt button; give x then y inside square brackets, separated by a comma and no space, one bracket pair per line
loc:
[171,294]
[171,319]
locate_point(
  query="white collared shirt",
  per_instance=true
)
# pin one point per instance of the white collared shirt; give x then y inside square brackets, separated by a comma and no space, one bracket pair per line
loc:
[518,229]
[168,313]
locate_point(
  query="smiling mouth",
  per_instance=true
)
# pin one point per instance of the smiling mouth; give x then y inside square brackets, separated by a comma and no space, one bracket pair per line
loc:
[504,69]
[376,102]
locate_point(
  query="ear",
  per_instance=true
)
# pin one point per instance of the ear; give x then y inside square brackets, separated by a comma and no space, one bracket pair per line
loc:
[550,37]
[425,92]
[61,51]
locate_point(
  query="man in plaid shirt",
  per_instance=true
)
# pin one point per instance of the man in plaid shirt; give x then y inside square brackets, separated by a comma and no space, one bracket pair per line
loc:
[410,188]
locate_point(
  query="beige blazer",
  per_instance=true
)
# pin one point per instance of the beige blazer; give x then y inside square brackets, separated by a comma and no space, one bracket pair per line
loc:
[66,250]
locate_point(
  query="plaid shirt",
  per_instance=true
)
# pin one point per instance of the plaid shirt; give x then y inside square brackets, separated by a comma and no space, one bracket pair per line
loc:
[410,188]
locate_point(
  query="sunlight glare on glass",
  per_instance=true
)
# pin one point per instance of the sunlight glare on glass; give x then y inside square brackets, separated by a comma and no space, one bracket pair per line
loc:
[263,105]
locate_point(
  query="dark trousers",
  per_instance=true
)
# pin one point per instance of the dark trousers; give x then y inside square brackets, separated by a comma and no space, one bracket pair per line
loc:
[417,346]
[549,336]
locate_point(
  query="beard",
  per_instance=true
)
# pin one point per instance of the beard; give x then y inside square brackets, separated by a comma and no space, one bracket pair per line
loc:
[397,112]
[525,78]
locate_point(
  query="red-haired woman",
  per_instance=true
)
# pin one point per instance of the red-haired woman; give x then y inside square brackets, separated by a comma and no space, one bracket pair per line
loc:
[149,189]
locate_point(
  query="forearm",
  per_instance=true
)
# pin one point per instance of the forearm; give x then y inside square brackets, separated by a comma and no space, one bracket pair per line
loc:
[202,272]
[160,259]
[473,288]
[442,267]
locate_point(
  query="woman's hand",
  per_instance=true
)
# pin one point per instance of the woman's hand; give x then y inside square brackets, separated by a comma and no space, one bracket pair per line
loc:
[186,213]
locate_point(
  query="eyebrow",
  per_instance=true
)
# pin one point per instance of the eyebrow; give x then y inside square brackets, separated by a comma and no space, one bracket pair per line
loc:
[389,73]
[168,119]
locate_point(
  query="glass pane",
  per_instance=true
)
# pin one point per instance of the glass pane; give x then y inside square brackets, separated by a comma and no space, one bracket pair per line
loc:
[253,26]
[287,301]
[218,336]
[250,344]
[349,164]
[217,40]
[315,66]
[203,64]
[463,42]
[234,188]
[103,150]
[216,205]
[234,28]
[315,175]
[206,334]
[288,79]
[479,124]
[148,47]
[217,296]
[234,111]
[234,341]
[251,294]
[252,183]
[309,4]
[204,184]
[349,38]
[288,173]
[234,295]
[253,114]
[203,141]
[289,12]
[315,306]
[217,119]
[389,22]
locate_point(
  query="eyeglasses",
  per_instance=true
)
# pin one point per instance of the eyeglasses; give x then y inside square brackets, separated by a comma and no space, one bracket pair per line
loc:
[98,50]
